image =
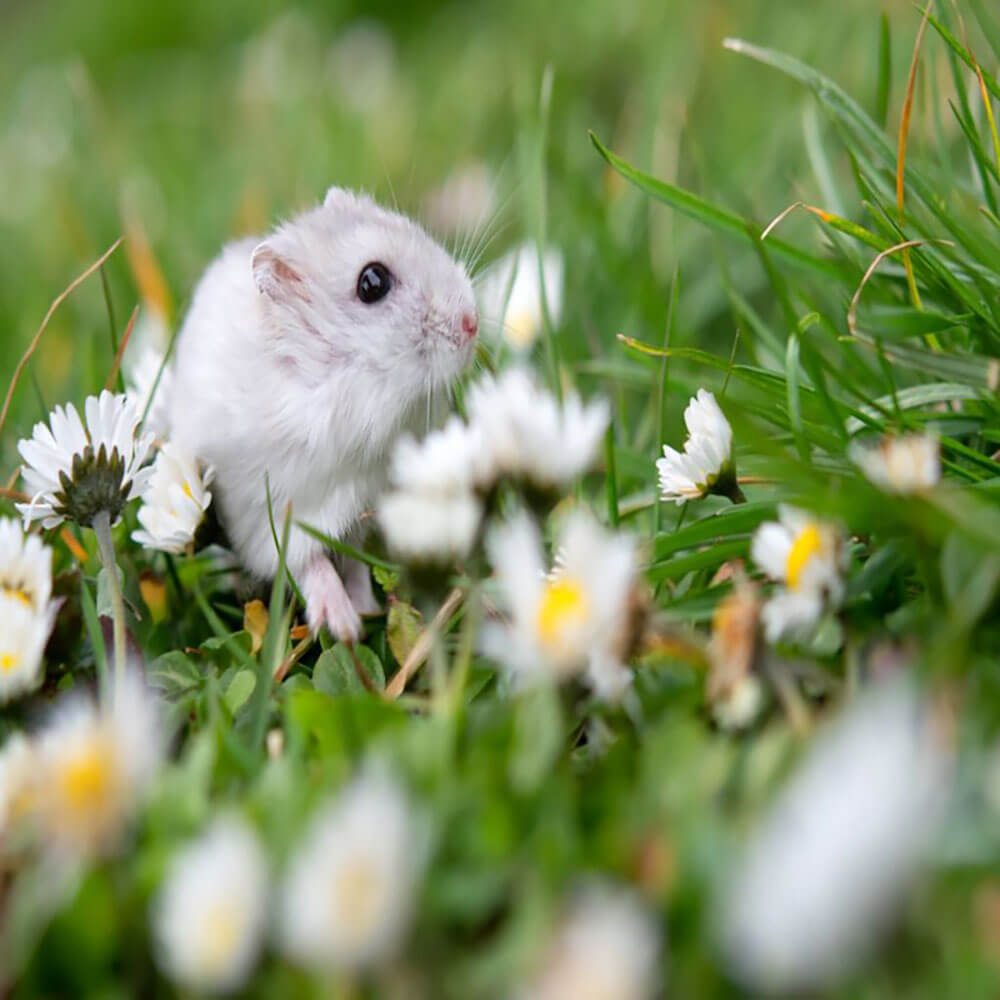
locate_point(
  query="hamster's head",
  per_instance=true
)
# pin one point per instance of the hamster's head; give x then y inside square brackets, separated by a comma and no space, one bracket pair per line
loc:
[353,287]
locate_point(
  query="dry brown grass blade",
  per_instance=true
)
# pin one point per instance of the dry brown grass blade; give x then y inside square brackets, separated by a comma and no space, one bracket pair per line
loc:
[904,131]
[117,363]
[904,246]
[56,303]
[422,647]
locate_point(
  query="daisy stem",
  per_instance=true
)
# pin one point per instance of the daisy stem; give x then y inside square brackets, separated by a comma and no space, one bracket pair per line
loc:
[106,547]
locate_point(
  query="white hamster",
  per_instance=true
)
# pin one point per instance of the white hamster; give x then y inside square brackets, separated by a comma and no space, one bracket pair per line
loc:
[302,358]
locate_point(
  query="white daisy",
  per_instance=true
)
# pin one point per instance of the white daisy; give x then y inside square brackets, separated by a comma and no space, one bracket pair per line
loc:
[148,390]
[511,295]
[606,948]
[95,763]
[806,555]
[174,502]
[427,528]
[529,436]
[822,877]
[706,465]
[349,895]
[447,461]
[907,464]
[209,917]
[76,472]
[569,620]
[27,611]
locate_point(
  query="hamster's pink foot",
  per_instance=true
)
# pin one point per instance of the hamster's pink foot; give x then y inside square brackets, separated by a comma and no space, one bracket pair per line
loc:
[328,603]
[358,583]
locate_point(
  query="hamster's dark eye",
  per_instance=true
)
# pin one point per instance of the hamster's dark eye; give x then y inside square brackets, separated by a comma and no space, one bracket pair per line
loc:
[374,282]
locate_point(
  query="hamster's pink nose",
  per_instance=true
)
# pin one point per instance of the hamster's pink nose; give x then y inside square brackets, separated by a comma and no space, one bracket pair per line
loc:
[470,324]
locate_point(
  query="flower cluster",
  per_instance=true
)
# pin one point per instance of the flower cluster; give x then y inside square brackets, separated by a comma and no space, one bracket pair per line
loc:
[344,903]
[516,432]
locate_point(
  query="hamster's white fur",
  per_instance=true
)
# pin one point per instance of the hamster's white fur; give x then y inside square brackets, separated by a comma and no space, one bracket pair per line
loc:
[285,378]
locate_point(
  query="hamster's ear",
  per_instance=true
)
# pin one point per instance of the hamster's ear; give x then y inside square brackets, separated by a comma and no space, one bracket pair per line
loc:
[275,277]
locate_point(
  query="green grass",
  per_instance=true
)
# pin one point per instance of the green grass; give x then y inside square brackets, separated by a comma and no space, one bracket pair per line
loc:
[655,164]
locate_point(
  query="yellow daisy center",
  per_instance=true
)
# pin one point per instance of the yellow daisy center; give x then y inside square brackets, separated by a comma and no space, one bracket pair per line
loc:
[86,779]
[221,935]
[187,490]
[18,594]
[9,662]
[563,607]
[356,893]
[807,544]
[521,327]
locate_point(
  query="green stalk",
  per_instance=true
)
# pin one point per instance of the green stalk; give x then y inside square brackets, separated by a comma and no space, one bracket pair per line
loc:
[106,547]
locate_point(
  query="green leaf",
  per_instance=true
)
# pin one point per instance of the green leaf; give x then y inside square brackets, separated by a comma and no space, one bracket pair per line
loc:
[239,690]
[335,672]
[714,217]
[175,673]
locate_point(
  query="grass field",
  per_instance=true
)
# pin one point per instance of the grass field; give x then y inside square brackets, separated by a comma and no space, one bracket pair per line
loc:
[808,810]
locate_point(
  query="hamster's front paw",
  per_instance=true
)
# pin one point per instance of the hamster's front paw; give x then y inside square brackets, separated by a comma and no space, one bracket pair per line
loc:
[328,603]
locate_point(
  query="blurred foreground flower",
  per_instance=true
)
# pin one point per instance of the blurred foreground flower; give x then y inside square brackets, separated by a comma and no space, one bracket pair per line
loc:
[569,620]
[349,895]
[906,464]
[210,915]
[27,611]
[94,764]
[530,436]
[174,502]
[706,464]
[606,948]
[427,529]
[17,766]
[806,554]
[822,877]
[74,472]
[511,295]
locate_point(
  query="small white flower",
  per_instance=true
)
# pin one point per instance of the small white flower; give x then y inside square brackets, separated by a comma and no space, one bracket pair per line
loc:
[349,895]
[518,312]
[607,948]
[822,876]
[806,555]
[447,461]
[528,435]
[95,764]
[429,529]
[27,611]
[209,917]
[705,466]
[75,472]
[907,464]
[174,502]
[569,620]
[146,388]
